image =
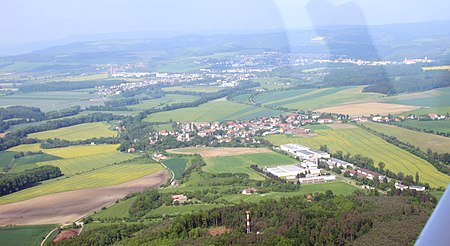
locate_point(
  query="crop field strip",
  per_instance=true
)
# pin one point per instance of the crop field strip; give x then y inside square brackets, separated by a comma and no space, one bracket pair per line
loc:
[106,176]
[426,140]
[78,132]
[358,141]
[82,164]
[314,98]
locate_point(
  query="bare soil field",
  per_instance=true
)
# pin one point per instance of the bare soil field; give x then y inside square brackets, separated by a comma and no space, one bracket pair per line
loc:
[3,134]
[218,230]
[213,152]
[66,207]
[342,126]
[65,235]
[369,108]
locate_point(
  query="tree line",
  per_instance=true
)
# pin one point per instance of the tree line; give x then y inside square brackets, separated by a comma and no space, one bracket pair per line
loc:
[13,182]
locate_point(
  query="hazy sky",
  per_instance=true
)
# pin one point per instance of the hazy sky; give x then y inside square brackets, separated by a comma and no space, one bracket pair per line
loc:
[24,21]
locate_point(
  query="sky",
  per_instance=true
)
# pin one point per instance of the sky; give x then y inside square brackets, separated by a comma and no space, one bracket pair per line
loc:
[25,21]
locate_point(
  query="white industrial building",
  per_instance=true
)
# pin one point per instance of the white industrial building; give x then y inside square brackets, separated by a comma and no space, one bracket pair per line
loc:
[332,162]
[316,179]
[304,152]
[288,171]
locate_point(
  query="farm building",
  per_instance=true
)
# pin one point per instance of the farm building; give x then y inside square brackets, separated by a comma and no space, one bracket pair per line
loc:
[249,191]
[368,173]
[304,152]
[416,187]
[292,148]
[179,198]
[309,179]
[400,186]
[332,162]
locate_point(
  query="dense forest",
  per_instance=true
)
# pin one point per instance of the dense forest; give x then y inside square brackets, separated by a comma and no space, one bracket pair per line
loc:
[12,182]
[322,219]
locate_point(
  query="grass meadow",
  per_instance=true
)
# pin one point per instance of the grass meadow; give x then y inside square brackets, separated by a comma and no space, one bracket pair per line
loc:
[177,165]
[358,141]
[24,235]
[241,163]
[419,139]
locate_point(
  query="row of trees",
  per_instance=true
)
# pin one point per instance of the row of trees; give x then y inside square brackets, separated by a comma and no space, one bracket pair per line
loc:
[12,182]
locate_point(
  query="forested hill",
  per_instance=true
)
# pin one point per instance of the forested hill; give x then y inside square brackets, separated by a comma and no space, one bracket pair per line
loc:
[322,219]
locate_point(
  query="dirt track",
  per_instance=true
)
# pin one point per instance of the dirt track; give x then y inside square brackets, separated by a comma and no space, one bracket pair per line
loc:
[66,207]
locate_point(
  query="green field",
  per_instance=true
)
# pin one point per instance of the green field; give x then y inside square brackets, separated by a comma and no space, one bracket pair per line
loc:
[218,110]
[28,162]
[69,152]
[106,176]
[50,101]
[71,160]
[24,235]
[241,163]
[82,164]
[177,165]
[78,132]
[168,99]
[358,141]
[434,98]
[206,89]
[310,99]
[118,210]
[437,126]
[418,139]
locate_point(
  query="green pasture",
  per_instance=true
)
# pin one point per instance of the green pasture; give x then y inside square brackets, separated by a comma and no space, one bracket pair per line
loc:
[24,235]
[241,163]
[177,165]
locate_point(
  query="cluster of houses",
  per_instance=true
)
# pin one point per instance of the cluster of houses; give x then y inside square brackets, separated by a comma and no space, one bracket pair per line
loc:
[403,118]
[245,130]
